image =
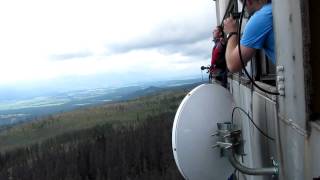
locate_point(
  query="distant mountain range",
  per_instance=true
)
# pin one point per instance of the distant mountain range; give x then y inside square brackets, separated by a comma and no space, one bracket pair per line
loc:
[22,109]
[28,90]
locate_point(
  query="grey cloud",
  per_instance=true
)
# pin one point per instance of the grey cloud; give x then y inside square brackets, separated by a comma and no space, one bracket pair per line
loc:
[171,38]
[66,56]
[201,49]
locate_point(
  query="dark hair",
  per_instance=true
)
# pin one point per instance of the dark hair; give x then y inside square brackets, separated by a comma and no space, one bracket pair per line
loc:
[221,30]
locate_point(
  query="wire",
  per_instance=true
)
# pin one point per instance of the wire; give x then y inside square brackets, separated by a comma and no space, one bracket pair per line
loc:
[240,54]
[255,125]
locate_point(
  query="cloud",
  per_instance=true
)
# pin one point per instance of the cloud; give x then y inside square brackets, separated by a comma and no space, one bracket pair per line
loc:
[182,36]
[199,49]
[68,56]
[98,36]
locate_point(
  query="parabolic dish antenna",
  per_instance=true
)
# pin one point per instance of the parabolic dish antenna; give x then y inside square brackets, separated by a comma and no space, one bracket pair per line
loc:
[195,121]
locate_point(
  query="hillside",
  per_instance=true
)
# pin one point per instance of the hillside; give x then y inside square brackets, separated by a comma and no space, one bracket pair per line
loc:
[123,140]
[83,118]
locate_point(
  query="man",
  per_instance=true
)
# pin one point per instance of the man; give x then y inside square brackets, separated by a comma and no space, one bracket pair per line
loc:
[218,62]
[258,34]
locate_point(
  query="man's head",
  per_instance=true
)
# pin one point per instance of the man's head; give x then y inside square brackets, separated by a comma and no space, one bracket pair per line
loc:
[218,32]
[254,5]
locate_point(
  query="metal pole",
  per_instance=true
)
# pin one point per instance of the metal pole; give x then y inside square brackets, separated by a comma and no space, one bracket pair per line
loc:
[251,171]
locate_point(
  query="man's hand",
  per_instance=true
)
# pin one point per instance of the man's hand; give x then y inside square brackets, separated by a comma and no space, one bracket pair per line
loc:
[230,25]
[232,53]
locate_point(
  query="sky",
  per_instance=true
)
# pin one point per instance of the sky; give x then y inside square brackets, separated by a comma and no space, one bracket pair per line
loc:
[42,40]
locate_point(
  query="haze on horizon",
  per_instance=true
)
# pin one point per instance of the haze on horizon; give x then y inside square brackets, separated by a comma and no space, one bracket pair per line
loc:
[112,41]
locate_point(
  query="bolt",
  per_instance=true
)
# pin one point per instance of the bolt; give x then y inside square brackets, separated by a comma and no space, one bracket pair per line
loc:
[281,87]
[280,69]
[280,78]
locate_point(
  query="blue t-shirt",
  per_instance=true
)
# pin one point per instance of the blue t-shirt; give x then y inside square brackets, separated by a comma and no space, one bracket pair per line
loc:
[258,33]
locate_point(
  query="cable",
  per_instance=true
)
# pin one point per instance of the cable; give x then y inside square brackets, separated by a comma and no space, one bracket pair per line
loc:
[235,174]
[240,55]
[263,133]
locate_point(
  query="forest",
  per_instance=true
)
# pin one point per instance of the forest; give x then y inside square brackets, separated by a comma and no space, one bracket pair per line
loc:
[123,140]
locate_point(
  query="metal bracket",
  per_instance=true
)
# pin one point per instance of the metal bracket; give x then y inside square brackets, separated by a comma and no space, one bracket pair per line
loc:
[228,137]
[229,140]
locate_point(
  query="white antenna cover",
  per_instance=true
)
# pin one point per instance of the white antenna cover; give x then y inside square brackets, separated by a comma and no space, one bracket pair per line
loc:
[195,121]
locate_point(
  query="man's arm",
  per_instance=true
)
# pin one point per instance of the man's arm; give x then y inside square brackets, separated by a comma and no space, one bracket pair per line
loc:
[232,52]
[233,57]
